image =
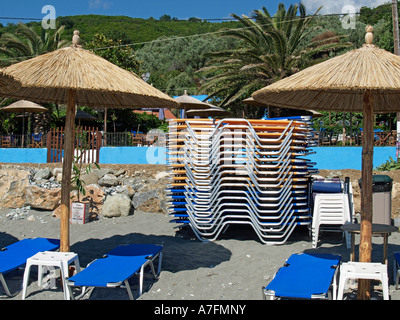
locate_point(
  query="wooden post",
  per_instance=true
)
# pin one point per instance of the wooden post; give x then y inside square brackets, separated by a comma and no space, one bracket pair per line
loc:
[66,173]
[366,192]
[105,126]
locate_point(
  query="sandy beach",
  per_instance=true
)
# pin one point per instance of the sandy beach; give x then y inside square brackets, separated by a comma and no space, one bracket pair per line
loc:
[234,267]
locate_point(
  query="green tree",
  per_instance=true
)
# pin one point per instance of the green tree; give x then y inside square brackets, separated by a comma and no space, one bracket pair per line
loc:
[115,52]
[271,49]
[25,43]
[172,62]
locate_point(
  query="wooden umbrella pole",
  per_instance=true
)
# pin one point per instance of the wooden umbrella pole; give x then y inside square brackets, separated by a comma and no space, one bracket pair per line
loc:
[66,173]
[366,191]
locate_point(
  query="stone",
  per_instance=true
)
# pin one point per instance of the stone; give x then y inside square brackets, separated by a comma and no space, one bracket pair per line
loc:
[43,198]
[151,198]
[42,174]
[395,189]
[161,175]
[13,185]
[108,180]
[90,178]
[101,172]
[142,197]
[120,172]
[118,205]
[126,189]
[56,171]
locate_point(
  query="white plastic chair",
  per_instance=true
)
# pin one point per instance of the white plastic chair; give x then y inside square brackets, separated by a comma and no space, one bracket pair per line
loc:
[363,270]
[330,209]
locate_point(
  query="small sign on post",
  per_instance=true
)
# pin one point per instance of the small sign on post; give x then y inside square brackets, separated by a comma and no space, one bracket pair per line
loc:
[79,213]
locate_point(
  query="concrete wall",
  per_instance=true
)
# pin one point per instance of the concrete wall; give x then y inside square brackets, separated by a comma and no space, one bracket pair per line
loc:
[133,155]
[18,155]
[333,158]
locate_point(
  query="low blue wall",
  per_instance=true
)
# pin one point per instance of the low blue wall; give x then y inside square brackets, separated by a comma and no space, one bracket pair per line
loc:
[332,158]
[18,155]
[133,155]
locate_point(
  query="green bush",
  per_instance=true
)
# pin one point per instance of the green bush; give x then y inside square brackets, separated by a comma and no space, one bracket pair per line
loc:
[389,165]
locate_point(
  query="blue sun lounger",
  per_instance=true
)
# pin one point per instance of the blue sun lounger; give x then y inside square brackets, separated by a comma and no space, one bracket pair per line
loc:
[304,276]
[117,267]
[15,255]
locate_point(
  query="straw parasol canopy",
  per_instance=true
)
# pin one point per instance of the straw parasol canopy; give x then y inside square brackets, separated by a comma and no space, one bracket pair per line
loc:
[251,102]
[189,103]
[23,106]
[363,80]
[340,83]
[211,111]
[74,76]
[8,83]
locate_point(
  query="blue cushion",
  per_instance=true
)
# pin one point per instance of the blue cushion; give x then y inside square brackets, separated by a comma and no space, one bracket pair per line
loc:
[16,254]
[305,275]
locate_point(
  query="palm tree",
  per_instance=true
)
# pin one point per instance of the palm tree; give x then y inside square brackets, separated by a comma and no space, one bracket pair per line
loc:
[25,43]
[271,49]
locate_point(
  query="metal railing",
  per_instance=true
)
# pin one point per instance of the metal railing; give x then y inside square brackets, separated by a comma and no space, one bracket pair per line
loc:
[23,141]
[110,139]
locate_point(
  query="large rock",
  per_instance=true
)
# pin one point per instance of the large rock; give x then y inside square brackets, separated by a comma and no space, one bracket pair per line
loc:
[117,205]
[90,178]
[13,185]
[101,172]
[162,175]
[42,174]
[142,198]
[108,180]
[151,197]
[41,198]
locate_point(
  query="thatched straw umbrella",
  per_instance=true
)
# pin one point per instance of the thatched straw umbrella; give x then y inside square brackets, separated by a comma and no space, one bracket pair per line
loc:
[8,83]
[187,102]
[23,106]
[363,80]
[73,76]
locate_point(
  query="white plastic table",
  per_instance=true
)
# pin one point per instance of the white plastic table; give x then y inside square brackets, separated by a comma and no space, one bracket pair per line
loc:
[61,260]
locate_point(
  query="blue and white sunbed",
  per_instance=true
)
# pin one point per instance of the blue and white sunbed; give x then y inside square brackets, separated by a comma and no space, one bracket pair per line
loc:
[305,276]
[15,255]
[117,267]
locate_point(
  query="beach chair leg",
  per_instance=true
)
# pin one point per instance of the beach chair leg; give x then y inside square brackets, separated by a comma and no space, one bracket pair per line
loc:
[159,264]
[270,294]
[83,292]
[348,239]
[334,286]
[396,273]
[141,280]
[153,270]
[71,295]
[128,288]
[5,286]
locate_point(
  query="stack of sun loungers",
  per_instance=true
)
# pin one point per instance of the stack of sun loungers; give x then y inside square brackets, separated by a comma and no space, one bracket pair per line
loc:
[237,171]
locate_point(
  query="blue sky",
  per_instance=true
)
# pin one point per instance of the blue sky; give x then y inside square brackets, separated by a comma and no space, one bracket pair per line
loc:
[181,9]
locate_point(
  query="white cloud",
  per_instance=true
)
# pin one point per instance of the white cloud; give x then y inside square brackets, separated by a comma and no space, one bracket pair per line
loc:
[337,5]
[99,4]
